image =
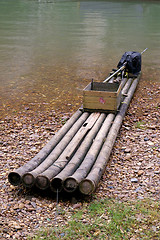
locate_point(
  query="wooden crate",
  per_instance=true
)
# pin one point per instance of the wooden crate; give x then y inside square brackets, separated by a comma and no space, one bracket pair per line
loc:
[99,96]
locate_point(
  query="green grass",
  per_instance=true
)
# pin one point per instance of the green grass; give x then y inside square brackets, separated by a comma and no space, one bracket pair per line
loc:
[140,125]
[109,219]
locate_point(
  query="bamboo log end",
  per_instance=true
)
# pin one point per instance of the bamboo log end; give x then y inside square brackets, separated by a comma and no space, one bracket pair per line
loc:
[87,186]
[42,182]
[56,184]
[70,184]
[28,180]
[14,178]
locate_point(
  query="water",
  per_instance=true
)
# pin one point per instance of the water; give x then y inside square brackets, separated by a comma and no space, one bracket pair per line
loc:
[50,49]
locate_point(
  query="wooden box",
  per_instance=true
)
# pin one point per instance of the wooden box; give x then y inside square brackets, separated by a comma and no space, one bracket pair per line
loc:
[99,96]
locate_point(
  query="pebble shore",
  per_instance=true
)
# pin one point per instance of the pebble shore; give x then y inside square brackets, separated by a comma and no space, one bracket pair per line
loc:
[132,173]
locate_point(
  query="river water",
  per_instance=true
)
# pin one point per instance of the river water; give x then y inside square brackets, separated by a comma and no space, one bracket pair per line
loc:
[50,49]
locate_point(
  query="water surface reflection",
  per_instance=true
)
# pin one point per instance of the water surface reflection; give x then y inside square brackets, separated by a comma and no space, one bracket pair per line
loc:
[51,49]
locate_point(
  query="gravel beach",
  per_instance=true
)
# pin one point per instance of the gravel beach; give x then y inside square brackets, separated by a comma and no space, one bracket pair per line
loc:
[132,173]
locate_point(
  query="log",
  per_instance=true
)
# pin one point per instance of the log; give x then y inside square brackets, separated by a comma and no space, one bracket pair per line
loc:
[70,184]
[68,153]
[15,176]
[28,179]
[127,86]
[124,81]
[56,182]
[88,185]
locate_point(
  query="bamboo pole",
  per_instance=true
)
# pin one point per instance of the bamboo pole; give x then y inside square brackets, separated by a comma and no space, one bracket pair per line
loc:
[14,177]
[71,183]
[28,178]
[56,182]
[89,184]
[127,86]
[124,81]
[68,153]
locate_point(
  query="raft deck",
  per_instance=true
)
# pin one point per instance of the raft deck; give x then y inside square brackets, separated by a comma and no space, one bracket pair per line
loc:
[77,155]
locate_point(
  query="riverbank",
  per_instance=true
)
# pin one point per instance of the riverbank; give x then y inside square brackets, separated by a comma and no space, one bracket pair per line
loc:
[133,172]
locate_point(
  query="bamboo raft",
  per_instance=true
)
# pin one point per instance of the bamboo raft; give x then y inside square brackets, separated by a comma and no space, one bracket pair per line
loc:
[77,155]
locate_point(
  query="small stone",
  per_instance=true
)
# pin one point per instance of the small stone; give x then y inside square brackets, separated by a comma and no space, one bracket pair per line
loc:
[21,206]
[139,163]
[127,150]
[16,207]
[152,190]
[110,187]
[51,206]
[154,135]
[33,149]
[110,182]
[77,205]
[154,228]
[18,227]
[140,197]
[30,209]
[1,153]
[96,233]
[134,180]
[152,126]
[16,236]
[62,234]
[128,156]
[33,204]
[150,143]
[151,165]
[138,189]
[6,230]
[146,139]
[140,172]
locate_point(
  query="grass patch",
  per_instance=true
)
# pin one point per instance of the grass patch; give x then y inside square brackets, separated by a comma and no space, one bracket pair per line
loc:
[140,125]
[109,219]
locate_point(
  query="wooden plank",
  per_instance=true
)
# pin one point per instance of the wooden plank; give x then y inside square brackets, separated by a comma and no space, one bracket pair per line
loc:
[100,86]
[100,102]
[94,105]
[111,87]
[99,94]
[99,99]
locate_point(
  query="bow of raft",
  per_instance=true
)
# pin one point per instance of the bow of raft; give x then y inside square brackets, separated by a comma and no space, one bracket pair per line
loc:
[77,155]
